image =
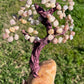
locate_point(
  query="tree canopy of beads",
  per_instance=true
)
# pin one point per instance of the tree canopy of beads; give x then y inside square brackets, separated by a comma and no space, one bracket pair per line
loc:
[56,32]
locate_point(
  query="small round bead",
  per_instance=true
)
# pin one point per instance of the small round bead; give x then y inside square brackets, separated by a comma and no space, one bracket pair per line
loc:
[51,31]
[52,1]
[71,37]
[55,41]
[20,12]
[35,32]
[49,15]
[32,22]
[60,40]
[29,2]
[37,22]
[12,22]
[29,12]
[66,37]
[47,5]
[16,37]
[64,41]
[32,39]
[72,3]
[23,21]
[66,27]
[61,16]
[30,18]
[27,37]
[23,8]
[37,38]
[35,12]
[10,39]
[59,12]
[33,7]
[25,14]
[64,15]
[27,6]
[70,8]
[59,30]
[5,35]
[65,7]
[16,27]
[71,28]
[69,17]
[12,29]
[51,19]
[72,33]
[50,37]
[59,7]
[52,5]
[55,23]
[7,31]
[30,30]
[43,2]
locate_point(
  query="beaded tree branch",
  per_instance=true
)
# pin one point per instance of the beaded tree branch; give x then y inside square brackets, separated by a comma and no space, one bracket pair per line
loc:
[46,19]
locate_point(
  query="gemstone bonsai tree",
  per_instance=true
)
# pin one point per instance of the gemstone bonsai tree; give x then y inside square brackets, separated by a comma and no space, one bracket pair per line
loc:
[55,33]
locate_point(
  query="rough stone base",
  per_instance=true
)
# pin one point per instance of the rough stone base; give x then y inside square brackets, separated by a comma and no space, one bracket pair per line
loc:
[46,73]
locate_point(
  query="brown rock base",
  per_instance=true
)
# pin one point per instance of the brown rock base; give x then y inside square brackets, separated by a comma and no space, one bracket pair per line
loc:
[46,73]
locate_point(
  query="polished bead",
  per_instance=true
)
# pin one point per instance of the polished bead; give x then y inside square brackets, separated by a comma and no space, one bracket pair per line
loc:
[51,19]
[64,40]
[35,32]
[47,5]
[29,2]
[71,37]
[51,31]
[32,39]
[25,14]
[37,22]
[34,12]
[37,38]
[29,12]
[16,37]
[50,37]
[59,7]
[66,28]
[71,3]
[55,23]
[10,39]
[20,12]
[5,35]
[16,27]
[66,37]
[12,29]
[27,6]
[43,2]
[7,31]
[65,7]
[27,37]
[70,8]
[12,22]
[23,21]
[69,17]
[52,5]
[61,16]
[22,8]
[72,33]
[55,41]
[59,12]
[59,30]
[60,40]
[30,30]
